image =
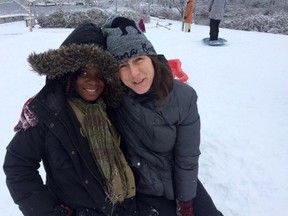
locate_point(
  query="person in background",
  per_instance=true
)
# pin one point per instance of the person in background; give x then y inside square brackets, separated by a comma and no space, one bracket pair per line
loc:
[66,127]
[188,17]
[216,10]
[141,25]
[159,120]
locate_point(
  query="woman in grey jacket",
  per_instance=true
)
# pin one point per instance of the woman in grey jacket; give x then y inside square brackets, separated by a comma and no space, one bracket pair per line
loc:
[216,10]
[160,123]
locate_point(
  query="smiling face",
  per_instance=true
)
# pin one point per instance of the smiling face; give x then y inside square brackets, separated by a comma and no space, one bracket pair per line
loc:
[137,74]
[89,85]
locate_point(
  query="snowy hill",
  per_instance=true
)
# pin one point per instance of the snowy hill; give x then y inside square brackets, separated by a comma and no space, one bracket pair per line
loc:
[243,103]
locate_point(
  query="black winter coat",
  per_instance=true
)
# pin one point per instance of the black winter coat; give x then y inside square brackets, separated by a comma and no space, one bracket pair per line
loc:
[72,177]
[163,141]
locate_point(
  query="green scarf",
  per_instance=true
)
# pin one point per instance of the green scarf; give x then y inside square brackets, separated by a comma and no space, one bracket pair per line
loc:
[104,143]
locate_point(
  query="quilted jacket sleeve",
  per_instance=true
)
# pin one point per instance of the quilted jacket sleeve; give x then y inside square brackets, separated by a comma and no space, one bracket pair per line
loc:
[187,150]
[21,164]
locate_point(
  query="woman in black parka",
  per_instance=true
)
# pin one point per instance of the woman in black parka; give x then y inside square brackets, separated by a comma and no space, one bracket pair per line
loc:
[86,172]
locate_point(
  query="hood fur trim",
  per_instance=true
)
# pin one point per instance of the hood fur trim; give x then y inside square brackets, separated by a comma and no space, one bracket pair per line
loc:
[69,59]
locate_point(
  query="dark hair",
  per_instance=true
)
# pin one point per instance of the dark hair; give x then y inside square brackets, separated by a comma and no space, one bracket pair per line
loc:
[163,77]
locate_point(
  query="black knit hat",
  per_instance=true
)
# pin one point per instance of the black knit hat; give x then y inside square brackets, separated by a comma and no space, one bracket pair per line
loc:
[125,40]
[86,33]
[84,47]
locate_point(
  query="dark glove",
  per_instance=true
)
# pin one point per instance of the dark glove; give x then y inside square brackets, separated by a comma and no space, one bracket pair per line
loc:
[63,211]
[133,207]
[184,208]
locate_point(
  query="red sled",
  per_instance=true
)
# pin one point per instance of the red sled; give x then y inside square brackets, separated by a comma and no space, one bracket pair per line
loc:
[178,73]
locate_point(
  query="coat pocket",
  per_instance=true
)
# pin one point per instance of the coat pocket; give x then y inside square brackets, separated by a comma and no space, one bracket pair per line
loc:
[149,180]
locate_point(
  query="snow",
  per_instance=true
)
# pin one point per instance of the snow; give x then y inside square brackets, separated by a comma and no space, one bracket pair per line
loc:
[243,104]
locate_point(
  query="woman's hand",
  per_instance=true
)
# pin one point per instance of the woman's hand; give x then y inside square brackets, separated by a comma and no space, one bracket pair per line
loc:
[68,210]
[184,208]
[62,210]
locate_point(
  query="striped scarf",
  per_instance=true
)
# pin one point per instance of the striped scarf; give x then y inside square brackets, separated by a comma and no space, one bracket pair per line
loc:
[104,143]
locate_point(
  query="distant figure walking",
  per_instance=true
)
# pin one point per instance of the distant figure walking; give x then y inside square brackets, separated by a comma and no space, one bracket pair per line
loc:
[216,10]
[142,25]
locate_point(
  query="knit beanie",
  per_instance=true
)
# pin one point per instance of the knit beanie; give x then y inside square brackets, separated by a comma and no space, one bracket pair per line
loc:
[125,40]
[86,33]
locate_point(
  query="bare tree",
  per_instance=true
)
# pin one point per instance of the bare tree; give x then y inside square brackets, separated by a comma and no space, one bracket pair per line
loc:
[59,4]
[179,5]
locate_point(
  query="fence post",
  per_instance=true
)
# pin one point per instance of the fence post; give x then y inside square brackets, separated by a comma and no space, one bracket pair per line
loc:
[30,4]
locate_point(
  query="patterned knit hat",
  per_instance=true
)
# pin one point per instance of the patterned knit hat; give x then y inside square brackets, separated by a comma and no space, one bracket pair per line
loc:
[125,40]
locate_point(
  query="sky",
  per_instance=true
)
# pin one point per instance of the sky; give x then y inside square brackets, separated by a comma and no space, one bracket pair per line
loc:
[242,92]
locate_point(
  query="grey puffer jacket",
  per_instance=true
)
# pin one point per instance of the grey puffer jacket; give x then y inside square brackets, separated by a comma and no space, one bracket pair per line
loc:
[163,143]
[216,9]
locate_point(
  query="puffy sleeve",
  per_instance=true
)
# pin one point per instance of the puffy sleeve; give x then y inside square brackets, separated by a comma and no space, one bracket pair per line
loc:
[187,147]
[210,2]
[21,164]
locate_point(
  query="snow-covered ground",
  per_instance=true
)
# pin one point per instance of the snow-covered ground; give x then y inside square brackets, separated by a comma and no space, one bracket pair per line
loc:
[243,103]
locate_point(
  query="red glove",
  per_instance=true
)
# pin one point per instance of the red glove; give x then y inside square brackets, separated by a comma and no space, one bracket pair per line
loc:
[184,208]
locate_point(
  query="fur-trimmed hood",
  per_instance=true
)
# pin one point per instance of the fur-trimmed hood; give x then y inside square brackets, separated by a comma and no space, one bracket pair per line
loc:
[69,59]
[84,47]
